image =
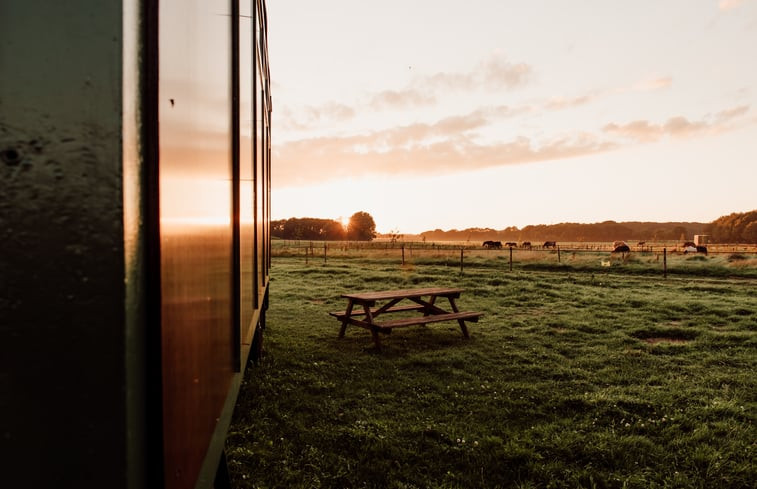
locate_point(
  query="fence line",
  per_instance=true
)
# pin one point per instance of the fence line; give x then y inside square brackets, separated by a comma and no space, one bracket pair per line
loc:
[568,246]
[470,257]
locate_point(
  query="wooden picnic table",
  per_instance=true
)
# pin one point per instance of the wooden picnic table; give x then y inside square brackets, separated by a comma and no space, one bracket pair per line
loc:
[368,311]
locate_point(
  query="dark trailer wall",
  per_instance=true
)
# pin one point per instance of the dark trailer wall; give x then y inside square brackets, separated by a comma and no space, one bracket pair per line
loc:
[134,212]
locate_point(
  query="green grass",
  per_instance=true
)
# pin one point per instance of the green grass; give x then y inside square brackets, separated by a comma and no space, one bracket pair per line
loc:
[573,378]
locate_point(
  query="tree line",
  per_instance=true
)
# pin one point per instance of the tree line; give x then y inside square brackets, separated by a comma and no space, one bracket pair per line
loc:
[360,227]
[738,227]
[576,232]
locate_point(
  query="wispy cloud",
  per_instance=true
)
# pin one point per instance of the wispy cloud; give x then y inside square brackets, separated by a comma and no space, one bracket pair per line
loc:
[452,145]
[310,116]
[728,114]
[676,127]
[640,130]
[561,103]
[401,99]
[455,144]
[497,73]
[331,111]
[492,73]
[328,158]
[447,146]
[567,102]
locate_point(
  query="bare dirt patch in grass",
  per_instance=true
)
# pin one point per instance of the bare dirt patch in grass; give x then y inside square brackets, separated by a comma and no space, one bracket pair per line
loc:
[665,335]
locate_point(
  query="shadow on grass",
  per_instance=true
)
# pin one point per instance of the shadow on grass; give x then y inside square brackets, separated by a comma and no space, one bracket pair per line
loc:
[403,341]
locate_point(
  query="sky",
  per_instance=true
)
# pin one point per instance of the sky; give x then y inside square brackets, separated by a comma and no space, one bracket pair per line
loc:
[440,114]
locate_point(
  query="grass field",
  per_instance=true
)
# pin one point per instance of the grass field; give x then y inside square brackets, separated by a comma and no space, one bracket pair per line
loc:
[578,375]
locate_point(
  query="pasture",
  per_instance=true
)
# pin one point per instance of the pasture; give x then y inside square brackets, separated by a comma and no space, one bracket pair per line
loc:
[579,374]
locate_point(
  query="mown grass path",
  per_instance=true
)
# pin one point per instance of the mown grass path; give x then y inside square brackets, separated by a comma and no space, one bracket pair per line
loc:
[571,379]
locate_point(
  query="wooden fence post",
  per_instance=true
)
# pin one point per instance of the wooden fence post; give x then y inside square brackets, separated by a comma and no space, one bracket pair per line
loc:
[511,258]
[403,254]
[558,254]
[665,263]
[461,261]
[324,253]
[306,255]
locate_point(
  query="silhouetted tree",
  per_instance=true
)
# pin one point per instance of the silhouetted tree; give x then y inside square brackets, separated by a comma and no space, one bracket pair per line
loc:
[334,231]
[394,235]
[361,227]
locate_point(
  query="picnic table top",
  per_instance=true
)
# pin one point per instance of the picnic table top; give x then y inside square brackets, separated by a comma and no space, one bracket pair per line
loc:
[403,293]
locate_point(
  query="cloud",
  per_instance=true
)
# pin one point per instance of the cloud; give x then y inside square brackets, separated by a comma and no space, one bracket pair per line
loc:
[448,81]
[645,132]
[560,103]
[645,85]
[335,111]
[458,124]
[728,114]
[641,131]
[492,73]
[676,127]
[681,127]
[497,73]
[729,4]
[401,99]
[447,146]
[310,116]
[451,145]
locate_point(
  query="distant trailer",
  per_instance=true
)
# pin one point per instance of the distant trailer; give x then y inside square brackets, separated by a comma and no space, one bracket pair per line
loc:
[701,239]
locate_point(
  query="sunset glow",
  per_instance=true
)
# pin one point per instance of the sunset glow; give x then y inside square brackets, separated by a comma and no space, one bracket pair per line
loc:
[437,114]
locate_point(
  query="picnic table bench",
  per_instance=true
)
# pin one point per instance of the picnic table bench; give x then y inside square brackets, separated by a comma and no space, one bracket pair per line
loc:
[422,300]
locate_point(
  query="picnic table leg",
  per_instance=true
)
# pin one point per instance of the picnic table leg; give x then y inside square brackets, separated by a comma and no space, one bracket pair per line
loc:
[346,319]
[461,322]
[374,329]
[431,301]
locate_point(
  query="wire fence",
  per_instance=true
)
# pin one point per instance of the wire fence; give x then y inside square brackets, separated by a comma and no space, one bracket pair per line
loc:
[657,258]
[643,246]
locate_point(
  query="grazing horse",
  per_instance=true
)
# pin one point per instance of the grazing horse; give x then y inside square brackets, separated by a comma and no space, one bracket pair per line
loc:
[549,244]
[511,244]
[526,244]
[493,244]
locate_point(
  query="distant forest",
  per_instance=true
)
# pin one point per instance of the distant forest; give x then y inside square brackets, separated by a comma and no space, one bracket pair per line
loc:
[576,232]
[733,228]
[739,227]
